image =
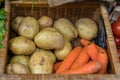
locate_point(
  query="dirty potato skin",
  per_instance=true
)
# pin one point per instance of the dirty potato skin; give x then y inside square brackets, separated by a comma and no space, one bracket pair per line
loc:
[29,27]
[20,59]
[47,39]
[62,53]
[45,21]
[17,68]
[66,28]
[87,28]
[50,53]
[16,23]
[41,63]
[21,45]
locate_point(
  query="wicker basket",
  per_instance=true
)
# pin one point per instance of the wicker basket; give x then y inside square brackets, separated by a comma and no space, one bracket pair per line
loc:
[72,11]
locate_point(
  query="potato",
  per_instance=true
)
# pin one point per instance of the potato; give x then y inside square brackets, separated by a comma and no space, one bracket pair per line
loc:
[87,28]
[45,21]
[41,62]
[62,53]
[50,53]
[29,27]
[21,45]
[16,23]
[47,39]
[20,59]
[66,28]
[37,49]
[17,68]
[76,42]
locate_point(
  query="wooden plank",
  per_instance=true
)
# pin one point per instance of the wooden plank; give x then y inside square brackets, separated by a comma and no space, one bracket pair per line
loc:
[111,43]
[4,51]
[60,77]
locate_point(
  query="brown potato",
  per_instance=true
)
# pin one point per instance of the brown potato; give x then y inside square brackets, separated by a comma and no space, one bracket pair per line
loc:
[66,27]
[16,23]
[17,68]
[41,62]
[47,39]
[20,59]
[29,27]
[62,53]
[50,53]
[21,45]
[45,21]
[87,28]
[76,42]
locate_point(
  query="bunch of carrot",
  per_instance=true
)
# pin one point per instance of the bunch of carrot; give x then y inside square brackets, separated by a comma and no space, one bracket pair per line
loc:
[83,60]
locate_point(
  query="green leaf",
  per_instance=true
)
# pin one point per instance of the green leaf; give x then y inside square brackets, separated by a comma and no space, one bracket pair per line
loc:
[1,37]
[2,46]
[2,26]
[3,30]
[1,23]
[2,14]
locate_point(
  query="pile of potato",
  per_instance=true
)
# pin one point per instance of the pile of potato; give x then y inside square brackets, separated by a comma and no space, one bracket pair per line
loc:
[42,42]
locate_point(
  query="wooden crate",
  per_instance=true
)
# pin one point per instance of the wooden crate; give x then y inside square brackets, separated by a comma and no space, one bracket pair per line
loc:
[72,11]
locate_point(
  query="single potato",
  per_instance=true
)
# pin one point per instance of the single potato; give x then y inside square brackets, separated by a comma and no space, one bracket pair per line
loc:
[20,59]
[21,45]
[45,21]
[62,53]
[87,28]
[50,53]
[76,42]
[17,68]
[66,28]
[49,38]
[29,27]
[41,62]
[16,23]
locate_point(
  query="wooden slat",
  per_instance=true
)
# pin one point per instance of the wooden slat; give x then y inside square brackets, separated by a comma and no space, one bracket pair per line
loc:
[4,51]
[60,77]
[111,43]
[44,4]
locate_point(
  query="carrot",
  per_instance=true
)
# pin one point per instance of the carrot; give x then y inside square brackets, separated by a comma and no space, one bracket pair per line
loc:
[88,68]
[92,51]
[102,57]
[69,59]
[84,42]
[56,65]
[82,59]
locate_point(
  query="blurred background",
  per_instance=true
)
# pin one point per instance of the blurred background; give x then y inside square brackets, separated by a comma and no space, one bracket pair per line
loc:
[1,3]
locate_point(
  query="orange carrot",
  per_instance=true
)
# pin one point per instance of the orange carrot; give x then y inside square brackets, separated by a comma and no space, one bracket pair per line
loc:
[88,68]
[102,57]
[56,65]
[92,51]
[69,59]
[84,42]
[81,59]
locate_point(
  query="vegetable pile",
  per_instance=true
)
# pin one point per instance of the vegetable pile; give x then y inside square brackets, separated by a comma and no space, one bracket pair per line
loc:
[47,46]
[2,26]
[84,60]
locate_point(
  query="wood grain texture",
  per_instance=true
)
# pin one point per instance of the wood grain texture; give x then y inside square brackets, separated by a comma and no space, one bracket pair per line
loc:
[60,77]
[4,51]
